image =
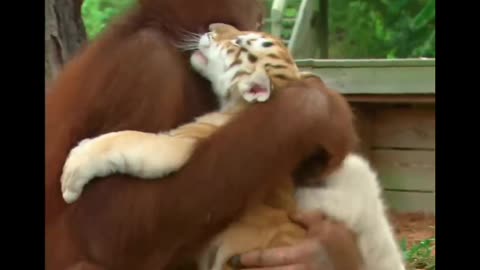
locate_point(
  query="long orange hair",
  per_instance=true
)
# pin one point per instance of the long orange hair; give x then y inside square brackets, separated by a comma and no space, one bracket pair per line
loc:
[134,78]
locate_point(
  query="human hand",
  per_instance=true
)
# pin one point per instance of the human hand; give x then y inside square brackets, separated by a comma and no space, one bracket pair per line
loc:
[329,245]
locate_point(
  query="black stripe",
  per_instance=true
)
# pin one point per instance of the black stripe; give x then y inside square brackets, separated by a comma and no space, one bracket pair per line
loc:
[268,65]
[282,77]
[240,73]
[288,60]
[267,44]
[236,62]
[252,58]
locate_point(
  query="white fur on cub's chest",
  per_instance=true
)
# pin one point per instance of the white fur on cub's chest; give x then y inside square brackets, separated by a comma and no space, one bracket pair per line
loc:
[352,195]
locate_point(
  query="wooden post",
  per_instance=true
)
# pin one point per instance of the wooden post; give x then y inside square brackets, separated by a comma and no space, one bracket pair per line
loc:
[64,34]
[276,16]
[323,28]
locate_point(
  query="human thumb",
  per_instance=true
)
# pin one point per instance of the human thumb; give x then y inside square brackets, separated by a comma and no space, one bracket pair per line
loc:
[308,219]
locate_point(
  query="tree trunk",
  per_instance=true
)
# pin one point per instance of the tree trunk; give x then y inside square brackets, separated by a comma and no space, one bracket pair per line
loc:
[64,34]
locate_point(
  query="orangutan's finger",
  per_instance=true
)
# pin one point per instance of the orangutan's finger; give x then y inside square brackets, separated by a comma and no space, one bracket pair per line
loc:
[281,256]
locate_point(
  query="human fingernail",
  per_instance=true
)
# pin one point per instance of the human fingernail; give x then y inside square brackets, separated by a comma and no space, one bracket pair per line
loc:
[235,262]
[296,216]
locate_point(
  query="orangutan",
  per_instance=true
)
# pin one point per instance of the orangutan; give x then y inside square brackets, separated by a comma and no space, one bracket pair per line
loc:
[133,77]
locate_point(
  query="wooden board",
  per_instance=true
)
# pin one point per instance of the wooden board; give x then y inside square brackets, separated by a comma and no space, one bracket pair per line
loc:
[404,128]
[359,63]
[303,42]
[394,80]
[392,98]
[412,170]
[363,126]
[375,76]
[276,14]
[410,201]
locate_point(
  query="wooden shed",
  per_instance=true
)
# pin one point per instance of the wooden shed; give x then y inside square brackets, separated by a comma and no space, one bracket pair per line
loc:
[393,100]
[394,104]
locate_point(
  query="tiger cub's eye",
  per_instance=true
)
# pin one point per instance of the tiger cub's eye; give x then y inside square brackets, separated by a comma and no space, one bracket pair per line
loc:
[267,44]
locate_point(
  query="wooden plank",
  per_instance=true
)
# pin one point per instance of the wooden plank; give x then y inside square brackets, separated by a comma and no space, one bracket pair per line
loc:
[363,125]
[276,15]
[404,128]
[411,170]
[379,80]
[303,41]
[322,26]
[350,63]
[410,201]
[392,98]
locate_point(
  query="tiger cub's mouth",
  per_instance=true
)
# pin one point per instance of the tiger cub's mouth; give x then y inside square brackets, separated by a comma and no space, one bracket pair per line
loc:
[201,56]
[257,89]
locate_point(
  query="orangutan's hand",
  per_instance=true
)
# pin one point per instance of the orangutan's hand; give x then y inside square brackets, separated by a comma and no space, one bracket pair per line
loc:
[329,246]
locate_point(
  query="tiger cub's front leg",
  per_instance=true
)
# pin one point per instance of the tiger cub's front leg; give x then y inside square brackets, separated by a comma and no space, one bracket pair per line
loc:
[140,154]
[145,155]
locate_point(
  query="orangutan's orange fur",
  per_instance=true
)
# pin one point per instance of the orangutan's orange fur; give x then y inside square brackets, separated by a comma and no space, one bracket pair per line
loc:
[133,78]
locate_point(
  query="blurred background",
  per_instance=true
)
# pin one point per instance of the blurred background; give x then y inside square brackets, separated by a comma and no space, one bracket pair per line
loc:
[356,28]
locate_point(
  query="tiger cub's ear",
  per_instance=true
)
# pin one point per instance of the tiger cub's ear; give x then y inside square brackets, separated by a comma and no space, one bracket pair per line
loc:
[222,28]
[256,88]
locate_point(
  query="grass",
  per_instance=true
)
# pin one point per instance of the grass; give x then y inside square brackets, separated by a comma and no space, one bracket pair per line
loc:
[420,255]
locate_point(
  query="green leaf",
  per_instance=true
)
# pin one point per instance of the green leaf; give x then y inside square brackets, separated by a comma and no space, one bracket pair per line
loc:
[290,12]
[424,16]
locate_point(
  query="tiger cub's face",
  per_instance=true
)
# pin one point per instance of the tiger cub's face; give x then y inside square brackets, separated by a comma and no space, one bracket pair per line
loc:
[244,64]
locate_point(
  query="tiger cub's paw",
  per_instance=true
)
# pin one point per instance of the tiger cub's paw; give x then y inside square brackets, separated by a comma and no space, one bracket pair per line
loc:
[81,166]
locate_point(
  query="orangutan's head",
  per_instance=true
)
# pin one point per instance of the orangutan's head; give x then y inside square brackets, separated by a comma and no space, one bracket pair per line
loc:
[196,15]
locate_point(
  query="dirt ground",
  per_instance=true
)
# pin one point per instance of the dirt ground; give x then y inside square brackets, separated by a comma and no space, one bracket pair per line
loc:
[414,226]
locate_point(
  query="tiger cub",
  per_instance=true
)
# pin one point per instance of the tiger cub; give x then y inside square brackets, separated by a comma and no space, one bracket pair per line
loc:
[243,68]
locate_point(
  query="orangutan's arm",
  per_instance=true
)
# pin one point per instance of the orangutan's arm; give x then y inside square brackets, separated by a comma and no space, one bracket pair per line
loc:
[236,163]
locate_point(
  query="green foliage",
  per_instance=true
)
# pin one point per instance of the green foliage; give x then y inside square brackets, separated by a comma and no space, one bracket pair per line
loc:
[357,28]
[382,28]
[98,13]
[420,255]
[376,28]
[291,12]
